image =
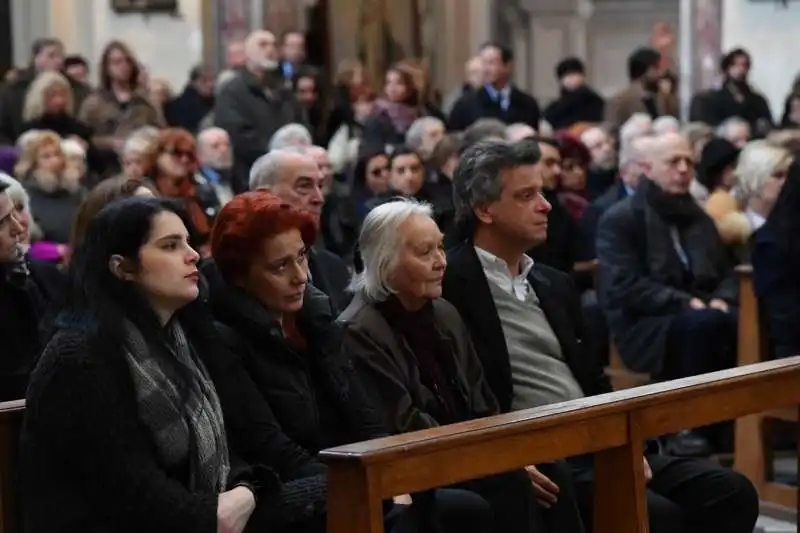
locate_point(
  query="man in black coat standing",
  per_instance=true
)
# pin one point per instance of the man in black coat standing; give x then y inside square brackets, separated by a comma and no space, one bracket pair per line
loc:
[528,332]
[577,102]
[498,98]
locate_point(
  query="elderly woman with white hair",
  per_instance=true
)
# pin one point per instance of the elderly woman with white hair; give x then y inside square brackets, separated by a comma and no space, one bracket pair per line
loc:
[424,134]
[415,354]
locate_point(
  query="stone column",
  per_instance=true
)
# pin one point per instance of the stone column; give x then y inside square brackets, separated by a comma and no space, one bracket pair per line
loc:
[29,21]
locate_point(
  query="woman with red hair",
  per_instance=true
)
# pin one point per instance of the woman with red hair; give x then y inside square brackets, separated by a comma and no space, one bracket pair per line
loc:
[285,334]
[575,160]
[171,162]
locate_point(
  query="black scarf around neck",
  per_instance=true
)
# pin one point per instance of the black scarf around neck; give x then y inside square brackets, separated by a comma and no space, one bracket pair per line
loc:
[679,210]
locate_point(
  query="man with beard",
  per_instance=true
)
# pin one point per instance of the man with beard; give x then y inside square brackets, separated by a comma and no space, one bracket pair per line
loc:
[255,104]
[577,102]
[603,166]
[640,95]
[216,159]
[736,98]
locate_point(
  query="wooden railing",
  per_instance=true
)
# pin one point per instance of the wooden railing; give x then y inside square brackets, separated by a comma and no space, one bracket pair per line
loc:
[10,423]
[612,426]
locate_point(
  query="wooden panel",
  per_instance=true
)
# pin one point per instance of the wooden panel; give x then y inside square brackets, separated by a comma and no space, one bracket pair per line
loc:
[10,422]
[549,44]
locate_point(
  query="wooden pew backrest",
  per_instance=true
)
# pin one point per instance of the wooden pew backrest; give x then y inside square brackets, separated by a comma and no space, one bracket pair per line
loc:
[10,425]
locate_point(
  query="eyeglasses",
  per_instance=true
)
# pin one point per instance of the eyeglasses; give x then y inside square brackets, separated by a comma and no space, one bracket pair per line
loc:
[175,152]
[377,172]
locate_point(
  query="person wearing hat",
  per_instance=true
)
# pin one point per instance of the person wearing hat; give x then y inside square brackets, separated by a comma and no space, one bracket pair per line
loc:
[577,102]
[716,173]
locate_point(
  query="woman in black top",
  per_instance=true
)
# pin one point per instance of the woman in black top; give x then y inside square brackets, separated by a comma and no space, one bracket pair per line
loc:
[123,430]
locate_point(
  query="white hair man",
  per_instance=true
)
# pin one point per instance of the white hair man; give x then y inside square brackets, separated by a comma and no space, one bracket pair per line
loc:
[603,165]
[216,160]
[519,131]
[666,124]
[423,135]
[296,178]
[293,134]
[634,164]
[736,130]
[255,104]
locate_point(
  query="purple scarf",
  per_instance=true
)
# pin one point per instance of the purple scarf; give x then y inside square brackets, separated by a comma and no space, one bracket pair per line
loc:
[401,115]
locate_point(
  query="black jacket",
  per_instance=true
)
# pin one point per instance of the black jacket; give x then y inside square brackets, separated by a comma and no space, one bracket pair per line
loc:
[587,226]
[27,309]
[571,107]
[466,287]
[478,104]
[187,110]
[643,285]
[86,459]
[313,393]
[329,274]
[721,105]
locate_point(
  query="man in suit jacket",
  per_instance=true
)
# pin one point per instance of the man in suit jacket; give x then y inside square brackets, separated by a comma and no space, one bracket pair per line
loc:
[498,98]
[640,95]
[528,331]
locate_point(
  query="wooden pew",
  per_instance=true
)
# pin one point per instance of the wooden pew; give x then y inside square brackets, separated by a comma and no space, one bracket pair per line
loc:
[753,451]
[612,426]
[10,424]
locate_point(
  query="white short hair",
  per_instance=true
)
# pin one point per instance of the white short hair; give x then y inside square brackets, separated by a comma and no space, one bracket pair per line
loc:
[758,161]
[293,134]
[636,150]
[724,129]
[27,137]
[666,124]
[519,130]
[137,145]
[73,147]
[545,129]
[267,169]
[415,135]
[638,125]
[379,243]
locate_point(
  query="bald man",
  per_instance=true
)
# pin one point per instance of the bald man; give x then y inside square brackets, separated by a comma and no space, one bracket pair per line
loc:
[255,104]
[665,281]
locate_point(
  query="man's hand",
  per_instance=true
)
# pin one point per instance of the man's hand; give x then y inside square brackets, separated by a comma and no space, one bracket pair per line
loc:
[546,490]
[696,303]
[719,305]
[648,472]
[234,508]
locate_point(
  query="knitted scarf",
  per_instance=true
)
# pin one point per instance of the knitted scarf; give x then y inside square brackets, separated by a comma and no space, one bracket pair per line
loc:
[185,431]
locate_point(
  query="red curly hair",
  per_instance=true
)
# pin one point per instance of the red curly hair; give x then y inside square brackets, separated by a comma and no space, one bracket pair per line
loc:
[249,219]
[572,148]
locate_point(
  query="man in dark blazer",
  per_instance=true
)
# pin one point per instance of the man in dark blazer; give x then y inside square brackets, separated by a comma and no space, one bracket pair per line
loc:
[528,331]
[498,98]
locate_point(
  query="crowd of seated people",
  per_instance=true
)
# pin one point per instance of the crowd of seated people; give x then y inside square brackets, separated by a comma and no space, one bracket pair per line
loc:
[204,292]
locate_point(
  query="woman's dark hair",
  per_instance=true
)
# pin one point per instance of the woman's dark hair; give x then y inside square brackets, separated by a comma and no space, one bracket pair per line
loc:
[405,73]
[99,303]
[401,150]
[784,220]
[360,168]
[104,193]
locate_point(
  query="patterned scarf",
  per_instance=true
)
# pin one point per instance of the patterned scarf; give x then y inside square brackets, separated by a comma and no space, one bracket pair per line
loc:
[401,115]
[184,431]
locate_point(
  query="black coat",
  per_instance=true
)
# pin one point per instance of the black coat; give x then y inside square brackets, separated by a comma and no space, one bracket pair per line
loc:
[466,287]
[187,110]
[642,283]
[587,226]
[777,286]
[251,114]
[86,459]
[478,104]
[313,393]
[329,273]
[721,105]
[26,317]
[571,107]
[560,251]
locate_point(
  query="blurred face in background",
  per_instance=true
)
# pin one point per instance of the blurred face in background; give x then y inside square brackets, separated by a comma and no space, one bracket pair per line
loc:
[395,88]
[306,91]
[56,99]
[78,72]
[294,48]
[50,158]
[673,164]
[407,174]
[473,72]
[118,65]
[133,164]
[600,147]
[215,149]
[11,230]
[377,174]
[49,58]
[262,50]
[495,71]
[236,57]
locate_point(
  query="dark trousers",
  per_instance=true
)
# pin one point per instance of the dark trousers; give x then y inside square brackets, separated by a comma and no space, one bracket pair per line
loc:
[450,511]
[687,496]
[700,341]
[516,510]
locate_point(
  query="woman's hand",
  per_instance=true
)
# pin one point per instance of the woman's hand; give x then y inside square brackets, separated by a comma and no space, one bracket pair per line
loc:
[546,491]
[234,508]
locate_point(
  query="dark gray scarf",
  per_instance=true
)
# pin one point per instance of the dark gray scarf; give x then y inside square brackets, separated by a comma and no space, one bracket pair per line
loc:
[183,431]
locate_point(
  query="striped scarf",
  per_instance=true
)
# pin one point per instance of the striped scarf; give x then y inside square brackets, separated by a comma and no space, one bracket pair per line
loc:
[185,431]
